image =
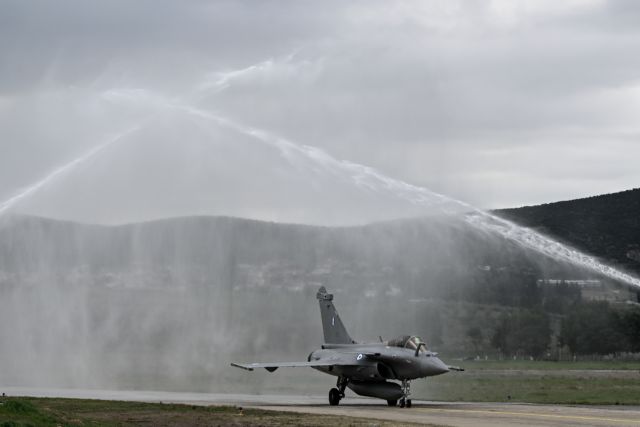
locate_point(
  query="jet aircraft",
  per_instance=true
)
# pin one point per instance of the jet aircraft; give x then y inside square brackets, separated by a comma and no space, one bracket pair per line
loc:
[368,369]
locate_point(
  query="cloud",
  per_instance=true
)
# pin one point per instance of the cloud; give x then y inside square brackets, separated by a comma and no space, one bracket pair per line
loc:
[498,103]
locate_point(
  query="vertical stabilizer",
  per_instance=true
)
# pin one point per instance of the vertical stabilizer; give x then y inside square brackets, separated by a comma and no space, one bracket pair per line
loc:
[334,330]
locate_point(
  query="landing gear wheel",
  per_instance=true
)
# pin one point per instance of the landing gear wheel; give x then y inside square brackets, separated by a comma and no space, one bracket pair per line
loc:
[334,397]
[405,401]
[392,402]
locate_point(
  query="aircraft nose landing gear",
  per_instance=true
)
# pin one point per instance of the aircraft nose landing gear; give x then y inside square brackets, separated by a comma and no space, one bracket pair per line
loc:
[337,394]
[405,400]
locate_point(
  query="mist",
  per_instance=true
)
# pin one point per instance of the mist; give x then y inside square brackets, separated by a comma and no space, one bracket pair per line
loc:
[177,180]
[168,304]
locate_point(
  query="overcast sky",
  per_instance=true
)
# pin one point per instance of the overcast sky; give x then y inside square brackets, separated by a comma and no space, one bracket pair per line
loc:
[498,103]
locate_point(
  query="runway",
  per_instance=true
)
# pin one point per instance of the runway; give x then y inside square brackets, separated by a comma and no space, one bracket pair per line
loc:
[457,414]
[479,414]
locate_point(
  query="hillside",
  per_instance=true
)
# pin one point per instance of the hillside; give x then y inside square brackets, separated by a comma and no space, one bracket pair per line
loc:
[607,226]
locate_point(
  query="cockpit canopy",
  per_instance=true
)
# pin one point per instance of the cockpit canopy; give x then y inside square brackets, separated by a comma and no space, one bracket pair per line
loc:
[409,341]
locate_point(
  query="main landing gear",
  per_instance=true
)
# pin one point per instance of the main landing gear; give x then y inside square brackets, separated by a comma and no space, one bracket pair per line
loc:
[405,400]
[336,394]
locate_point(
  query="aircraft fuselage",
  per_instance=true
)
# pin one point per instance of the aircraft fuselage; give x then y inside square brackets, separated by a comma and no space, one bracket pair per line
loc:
[371,362]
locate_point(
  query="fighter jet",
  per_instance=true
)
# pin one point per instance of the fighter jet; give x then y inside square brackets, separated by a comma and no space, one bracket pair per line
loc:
[368,369]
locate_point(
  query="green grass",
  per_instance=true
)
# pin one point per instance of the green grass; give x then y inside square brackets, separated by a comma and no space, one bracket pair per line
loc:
[23,413]
[53,412]
[547,365]
[538,390]
[596,383]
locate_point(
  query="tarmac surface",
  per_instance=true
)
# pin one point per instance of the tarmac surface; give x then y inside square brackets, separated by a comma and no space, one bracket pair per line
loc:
[459,414]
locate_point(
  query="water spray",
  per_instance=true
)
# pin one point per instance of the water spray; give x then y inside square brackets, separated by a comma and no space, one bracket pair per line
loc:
[372,180]
[364,177]
[62,170]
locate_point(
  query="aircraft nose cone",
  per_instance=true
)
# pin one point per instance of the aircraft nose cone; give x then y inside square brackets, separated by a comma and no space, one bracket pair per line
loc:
[437,367]
[443,368]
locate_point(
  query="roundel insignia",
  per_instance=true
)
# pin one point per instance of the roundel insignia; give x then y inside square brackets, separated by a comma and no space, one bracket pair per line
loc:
[359,357]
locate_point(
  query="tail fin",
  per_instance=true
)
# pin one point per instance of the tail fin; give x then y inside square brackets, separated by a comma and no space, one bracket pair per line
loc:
[334,330]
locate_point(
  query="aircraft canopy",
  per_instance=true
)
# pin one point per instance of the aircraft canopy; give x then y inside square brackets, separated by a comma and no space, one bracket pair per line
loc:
[409,341]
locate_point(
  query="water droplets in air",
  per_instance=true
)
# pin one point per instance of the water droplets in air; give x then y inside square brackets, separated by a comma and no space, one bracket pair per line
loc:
[304,156]
[61,171]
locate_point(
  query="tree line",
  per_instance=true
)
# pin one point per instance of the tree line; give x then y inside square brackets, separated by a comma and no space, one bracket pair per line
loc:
[589,328]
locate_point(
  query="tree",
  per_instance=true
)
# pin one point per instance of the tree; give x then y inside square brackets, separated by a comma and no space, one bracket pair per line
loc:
[533,333]
[524,331]
[593,328]
[474,333]
[500,338]
[629,323]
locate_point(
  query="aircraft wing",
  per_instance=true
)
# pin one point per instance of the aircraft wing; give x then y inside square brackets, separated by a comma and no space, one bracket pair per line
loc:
[273,366]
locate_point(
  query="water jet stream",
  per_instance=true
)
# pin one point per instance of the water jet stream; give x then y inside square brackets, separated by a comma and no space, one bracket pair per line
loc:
[369,179]
[372,180]
[33,188]
[364,177]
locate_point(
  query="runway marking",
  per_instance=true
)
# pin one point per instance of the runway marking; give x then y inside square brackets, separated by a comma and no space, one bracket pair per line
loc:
[532,414]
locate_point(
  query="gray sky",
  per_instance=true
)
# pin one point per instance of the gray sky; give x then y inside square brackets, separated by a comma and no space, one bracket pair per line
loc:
[498,103]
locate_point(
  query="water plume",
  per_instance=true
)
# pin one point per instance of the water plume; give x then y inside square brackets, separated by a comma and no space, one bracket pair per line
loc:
[62,170]
[372,180]
[221,80]
[369,179]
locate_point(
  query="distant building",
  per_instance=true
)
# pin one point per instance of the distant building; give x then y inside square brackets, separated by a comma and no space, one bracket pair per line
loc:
[595,290]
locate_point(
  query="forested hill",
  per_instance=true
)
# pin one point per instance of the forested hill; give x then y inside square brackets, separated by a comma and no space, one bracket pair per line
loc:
[607,226]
